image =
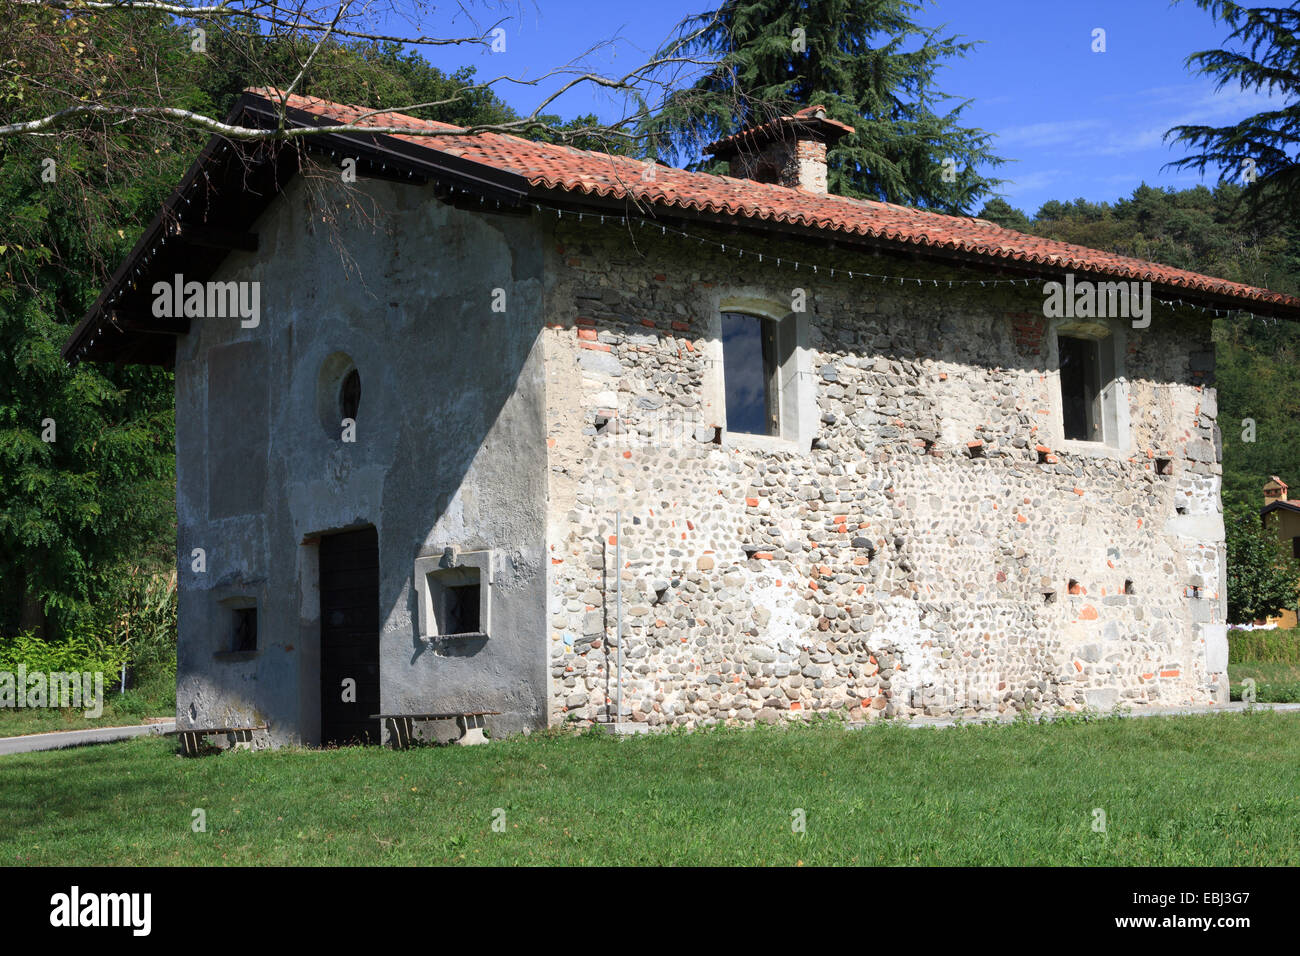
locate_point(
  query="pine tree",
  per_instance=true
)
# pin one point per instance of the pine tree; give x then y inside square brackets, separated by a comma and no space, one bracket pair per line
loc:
[1000,211]
[868,62]
[1262,151]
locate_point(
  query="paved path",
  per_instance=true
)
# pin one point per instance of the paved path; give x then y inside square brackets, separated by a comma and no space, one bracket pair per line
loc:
[75,738]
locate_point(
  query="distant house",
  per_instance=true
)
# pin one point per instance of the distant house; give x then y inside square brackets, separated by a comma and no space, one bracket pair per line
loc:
[802,453]
[1283,514]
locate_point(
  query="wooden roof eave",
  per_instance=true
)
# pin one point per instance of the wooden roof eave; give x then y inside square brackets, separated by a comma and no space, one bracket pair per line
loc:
[97,338]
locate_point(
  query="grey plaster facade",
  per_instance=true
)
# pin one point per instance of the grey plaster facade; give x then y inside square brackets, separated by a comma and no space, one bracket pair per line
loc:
[449,434]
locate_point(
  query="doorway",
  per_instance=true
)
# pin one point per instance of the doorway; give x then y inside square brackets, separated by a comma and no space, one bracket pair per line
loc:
[349,637]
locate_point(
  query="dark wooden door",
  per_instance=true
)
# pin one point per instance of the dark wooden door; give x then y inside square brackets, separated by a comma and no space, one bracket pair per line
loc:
[349,635]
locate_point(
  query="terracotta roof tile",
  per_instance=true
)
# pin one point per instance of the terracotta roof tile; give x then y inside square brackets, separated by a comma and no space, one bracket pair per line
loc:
[808,118]
[593,173]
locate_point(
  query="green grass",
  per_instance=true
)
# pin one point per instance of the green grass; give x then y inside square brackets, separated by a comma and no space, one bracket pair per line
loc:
[1203,790]
[1275,682]
[154,697]
[1271,658]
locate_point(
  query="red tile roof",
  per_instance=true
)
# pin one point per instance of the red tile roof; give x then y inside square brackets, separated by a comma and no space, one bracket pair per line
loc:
[592,173]
[809,119]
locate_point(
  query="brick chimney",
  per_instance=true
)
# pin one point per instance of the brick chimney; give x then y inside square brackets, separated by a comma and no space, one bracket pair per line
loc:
[789,150]
[1274,490]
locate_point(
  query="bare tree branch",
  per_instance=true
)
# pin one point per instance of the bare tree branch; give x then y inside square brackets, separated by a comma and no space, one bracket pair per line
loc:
[648,83]
[342,11]
[297,22]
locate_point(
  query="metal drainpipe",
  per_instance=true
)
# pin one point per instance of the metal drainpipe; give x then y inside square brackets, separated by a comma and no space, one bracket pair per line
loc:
[618,614]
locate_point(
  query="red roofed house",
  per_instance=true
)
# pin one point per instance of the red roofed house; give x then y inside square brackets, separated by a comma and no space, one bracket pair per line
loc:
[456,416]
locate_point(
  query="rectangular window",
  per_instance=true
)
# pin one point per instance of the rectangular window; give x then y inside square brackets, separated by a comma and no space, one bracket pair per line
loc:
[455,598]
[243,629]
[1080,363]
[750,368]
[459,609]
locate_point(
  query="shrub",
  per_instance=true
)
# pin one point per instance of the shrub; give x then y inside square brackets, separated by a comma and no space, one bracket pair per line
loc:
[134,625]
[76,652]
[1272,692]
[141,619]
[1276,646]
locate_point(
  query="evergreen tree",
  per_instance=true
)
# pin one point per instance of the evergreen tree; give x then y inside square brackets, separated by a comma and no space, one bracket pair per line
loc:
[999,211]
[1261,151]
[868,62]
[373,74]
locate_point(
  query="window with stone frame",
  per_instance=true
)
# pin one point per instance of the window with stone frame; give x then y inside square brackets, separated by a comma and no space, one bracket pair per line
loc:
[454,594]
[1080,387]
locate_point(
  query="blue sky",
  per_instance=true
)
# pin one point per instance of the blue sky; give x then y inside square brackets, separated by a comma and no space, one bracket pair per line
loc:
[1078,123]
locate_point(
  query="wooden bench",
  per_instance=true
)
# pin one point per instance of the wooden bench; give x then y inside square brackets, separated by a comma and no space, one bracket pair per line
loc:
[190,736]
[471,725]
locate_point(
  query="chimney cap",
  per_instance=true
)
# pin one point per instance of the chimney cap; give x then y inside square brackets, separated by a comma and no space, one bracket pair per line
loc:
[811,122]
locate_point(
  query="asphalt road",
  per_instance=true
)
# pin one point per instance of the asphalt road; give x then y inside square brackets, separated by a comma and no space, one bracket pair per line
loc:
[76,738]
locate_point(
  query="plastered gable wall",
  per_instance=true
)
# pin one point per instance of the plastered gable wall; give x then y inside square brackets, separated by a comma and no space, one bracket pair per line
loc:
[451,415]
[868,566]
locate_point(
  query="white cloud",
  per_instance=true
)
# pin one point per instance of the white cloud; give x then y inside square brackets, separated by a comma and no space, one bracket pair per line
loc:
[1048,134]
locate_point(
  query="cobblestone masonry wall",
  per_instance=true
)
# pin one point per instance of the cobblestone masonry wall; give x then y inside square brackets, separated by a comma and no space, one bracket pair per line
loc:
[934,548]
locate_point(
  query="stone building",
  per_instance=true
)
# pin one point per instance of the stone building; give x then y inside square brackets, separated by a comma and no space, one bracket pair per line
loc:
[447,428]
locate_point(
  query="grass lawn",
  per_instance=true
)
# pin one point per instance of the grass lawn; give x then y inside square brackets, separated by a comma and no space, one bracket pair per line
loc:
[1214,790]
[1275,682]
[1272,658]
[155,697]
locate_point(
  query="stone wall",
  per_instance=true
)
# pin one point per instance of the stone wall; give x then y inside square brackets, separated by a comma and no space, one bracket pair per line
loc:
[933,546]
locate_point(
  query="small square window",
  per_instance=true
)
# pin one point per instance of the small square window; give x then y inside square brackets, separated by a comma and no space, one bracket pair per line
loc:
[243,633]
[457,609]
